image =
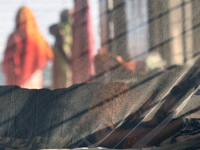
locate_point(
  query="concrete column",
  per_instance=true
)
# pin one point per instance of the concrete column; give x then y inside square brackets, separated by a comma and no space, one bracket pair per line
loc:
[119,42]
[104,28]
[159,28]
[195,19]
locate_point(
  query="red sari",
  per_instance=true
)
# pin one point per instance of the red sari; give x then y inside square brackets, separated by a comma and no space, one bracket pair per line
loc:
[26,52]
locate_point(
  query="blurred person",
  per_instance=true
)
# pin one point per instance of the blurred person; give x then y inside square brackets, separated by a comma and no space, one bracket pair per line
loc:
[109,68]
[26,53]
[104,63]
[83,43]
[62,50]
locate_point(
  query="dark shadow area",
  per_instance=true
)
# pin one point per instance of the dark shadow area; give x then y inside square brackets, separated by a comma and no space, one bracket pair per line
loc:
[27,114]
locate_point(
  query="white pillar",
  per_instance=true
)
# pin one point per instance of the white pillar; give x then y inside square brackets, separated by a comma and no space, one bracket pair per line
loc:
[176,28]
[189,32]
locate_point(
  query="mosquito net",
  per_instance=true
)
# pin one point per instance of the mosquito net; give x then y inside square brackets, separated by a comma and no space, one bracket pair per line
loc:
[127,78]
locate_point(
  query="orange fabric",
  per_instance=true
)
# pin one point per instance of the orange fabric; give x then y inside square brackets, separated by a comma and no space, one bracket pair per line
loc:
[130,65]
[26,49]
[129,142]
